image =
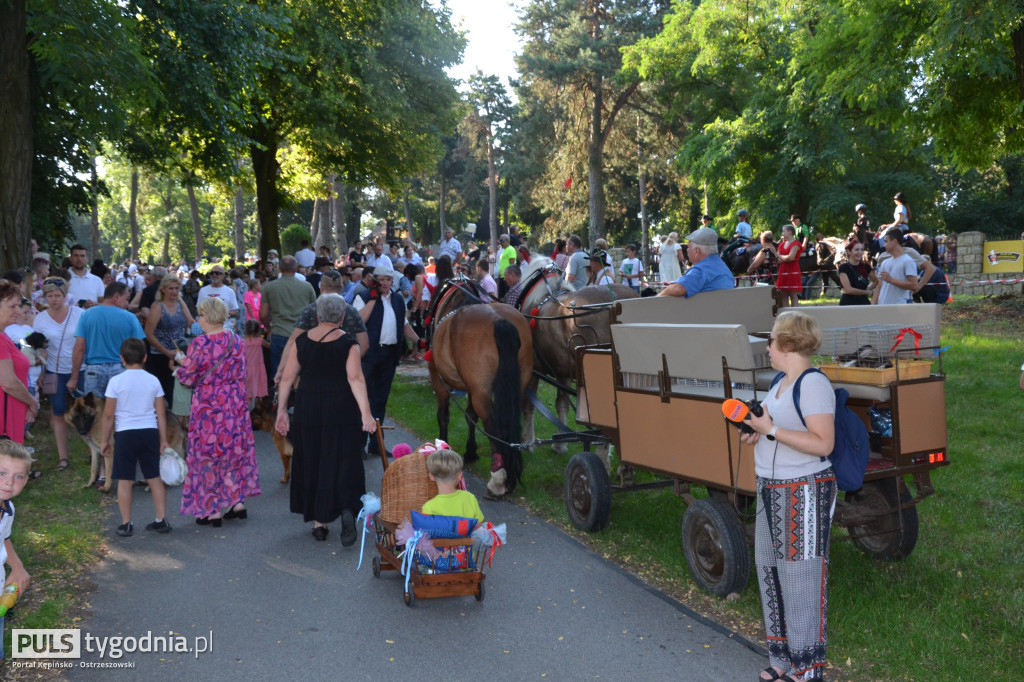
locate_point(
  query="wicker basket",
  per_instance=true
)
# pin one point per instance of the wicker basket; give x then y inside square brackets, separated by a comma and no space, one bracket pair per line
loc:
[406,486]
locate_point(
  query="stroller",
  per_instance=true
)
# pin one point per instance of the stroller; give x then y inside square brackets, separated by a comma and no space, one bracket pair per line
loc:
[406,486]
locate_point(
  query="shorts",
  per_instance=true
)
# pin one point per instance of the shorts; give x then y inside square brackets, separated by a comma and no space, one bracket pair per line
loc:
[96,377]
[136,445]
[59,400]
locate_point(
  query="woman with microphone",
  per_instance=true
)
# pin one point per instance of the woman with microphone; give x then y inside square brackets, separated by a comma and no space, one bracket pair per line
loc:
[796,490]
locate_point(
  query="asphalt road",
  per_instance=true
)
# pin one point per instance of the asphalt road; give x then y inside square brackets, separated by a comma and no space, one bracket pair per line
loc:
[268,602]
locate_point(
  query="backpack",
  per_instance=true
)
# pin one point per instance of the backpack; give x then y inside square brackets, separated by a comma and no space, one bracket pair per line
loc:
[852,446]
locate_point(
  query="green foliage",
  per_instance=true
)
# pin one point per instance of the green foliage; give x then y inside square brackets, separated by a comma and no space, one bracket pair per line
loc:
[290,238]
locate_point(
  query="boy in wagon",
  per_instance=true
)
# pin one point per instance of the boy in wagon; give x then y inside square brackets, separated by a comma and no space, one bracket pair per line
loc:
[445,467]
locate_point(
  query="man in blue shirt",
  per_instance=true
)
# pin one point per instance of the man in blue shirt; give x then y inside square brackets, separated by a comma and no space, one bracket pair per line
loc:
[707,273]
[98,338]
[744,233]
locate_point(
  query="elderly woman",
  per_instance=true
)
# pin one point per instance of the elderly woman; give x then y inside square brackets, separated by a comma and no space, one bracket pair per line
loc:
[57,323]
[332,411]
[222,470]
[168,319]
[796,490]
[19,407]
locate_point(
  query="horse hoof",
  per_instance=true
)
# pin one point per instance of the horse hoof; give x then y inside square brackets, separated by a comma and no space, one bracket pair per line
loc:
[560,448]
[496,486]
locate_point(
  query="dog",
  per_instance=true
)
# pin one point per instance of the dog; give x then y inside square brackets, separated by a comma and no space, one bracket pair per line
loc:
[85,415]
[264,418]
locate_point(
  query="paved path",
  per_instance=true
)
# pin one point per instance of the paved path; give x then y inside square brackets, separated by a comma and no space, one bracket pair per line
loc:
[279,605]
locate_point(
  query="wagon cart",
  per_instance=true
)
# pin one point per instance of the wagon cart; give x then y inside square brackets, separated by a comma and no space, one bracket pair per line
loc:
[673,361]
[406,486]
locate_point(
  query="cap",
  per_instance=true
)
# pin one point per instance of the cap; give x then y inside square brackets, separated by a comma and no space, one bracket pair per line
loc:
[599,256]
[383,269]
[705,236]
[39,255]
[273,251]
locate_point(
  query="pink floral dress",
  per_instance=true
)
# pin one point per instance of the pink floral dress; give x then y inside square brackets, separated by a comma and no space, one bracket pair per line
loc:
[221,456]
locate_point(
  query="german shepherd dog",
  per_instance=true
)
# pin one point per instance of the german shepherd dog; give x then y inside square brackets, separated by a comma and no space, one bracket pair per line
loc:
[85,415]
[264,418]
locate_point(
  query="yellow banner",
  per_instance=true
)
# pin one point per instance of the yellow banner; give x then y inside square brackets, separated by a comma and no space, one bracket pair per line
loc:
[1005,256]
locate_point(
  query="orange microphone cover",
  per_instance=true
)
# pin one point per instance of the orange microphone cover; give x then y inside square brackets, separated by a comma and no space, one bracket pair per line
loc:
[735,410]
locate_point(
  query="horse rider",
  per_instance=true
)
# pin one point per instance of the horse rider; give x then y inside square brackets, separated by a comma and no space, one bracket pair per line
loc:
[708,272]
[742,236]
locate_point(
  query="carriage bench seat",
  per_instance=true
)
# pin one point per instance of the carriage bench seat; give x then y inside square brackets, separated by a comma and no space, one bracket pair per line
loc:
[753,307]
[693,355]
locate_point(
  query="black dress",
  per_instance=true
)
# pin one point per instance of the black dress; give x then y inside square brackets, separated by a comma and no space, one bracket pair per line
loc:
[326,432]
[858,280]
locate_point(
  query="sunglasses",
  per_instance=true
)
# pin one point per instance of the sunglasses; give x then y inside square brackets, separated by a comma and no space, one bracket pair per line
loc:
[55,280]
[771,340]
[216,274]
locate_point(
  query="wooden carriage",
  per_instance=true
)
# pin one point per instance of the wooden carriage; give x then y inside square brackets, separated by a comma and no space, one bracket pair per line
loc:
[656,392]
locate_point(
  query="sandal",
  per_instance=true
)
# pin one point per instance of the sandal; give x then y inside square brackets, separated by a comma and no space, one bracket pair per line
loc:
[63,465]
[774,675]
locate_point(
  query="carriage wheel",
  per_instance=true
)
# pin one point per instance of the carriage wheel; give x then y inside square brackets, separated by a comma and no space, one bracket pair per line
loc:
[409,596]
[479,591]
[588,493]
[893,535]
[376,567]
[715,546]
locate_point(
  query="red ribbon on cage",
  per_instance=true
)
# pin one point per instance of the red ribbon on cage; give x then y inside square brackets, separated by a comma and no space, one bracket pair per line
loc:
[917,339]
[494,545]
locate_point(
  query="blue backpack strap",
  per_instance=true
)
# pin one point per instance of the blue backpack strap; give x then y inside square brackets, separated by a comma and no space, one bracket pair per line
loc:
[796,395]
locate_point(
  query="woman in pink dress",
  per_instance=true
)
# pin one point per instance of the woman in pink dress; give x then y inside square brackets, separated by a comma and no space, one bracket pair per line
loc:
[222,471]
[789,282]
[17,406]
[255,370]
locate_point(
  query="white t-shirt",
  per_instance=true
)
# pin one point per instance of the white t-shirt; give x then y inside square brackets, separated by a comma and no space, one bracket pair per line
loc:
[223,292]
[6,524]
[900,216]
[88,287]
[305,257]
[744,229]
[775,460]
[136,391]
[631,267]
[899,269]
[388,324]
[55,333]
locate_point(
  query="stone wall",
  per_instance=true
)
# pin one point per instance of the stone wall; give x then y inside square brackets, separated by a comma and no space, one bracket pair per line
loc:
[970,261]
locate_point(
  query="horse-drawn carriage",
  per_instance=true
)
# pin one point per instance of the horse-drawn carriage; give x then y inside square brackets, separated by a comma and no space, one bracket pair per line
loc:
[670,365]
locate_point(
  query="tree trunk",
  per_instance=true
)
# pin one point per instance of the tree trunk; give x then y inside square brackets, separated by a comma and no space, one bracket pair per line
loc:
[314,224]
[323,228]
[168,207]
[595,170]
[239,225]
[492,192]
[268,202]
[409,227]
[94,221]
[645,237]
[197,226]
[353,228]
[165,255]
[441,203]
[338,216]
[133,219]
[15,137]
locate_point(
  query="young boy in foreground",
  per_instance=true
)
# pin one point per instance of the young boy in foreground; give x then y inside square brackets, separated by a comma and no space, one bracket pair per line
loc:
[135,407]
[445,467]
[14,466]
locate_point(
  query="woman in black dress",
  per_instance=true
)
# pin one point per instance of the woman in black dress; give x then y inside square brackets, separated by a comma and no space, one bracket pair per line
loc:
[331,412]
[856,276]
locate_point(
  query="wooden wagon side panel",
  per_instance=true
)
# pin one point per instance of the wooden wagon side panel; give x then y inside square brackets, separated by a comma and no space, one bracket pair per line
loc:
[596,401]
[920,416]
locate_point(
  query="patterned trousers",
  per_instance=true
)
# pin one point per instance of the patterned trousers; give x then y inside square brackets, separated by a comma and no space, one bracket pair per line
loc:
[791,546]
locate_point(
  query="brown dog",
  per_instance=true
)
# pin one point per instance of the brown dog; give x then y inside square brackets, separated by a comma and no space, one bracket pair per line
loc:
[85,415]
[264,418]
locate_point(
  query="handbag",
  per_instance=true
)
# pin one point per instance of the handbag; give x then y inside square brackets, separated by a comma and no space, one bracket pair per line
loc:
[50,383]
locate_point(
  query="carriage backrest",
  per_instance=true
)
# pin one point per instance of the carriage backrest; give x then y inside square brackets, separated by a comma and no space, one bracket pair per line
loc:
[690,351]
[752,307]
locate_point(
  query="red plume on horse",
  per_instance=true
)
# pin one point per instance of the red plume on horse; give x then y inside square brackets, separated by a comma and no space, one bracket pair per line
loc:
[485,350]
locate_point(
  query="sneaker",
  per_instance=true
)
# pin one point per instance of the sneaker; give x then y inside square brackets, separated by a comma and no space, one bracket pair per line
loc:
[159,526]
[125,530]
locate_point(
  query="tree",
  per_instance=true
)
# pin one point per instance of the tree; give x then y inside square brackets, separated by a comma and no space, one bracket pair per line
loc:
[573,51]
[491,109]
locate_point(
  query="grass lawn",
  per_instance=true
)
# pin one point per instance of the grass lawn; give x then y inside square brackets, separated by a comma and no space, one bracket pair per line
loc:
[951,611]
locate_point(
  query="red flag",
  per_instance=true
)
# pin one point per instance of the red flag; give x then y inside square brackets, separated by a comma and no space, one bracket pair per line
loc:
[568,183]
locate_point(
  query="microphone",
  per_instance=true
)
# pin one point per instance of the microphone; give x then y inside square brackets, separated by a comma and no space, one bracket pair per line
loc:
[737,411]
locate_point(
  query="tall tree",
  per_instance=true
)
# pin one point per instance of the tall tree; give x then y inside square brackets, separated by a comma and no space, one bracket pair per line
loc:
[575,48]
[491,108]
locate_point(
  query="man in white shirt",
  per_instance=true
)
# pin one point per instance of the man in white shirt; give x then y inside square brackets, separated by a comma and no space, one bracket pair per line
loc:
[378,257]
[898,274]
[305,256]
[217,288]
[451,246]
[85,288]
[576,273]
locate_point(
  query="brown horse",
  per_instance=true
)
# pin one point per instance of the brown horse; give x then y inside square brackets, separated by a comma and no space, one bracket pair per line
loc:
[563,322]
[486,350]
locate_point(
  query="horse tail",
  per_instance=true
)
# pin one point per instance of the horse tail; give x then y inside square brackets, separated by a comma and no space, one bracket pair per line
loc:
[506,400]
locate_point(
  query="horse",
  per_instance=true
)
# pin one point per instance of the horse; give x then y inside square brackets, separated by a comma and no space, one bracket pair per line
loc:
[924,244]
[562,321]
[486,350]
